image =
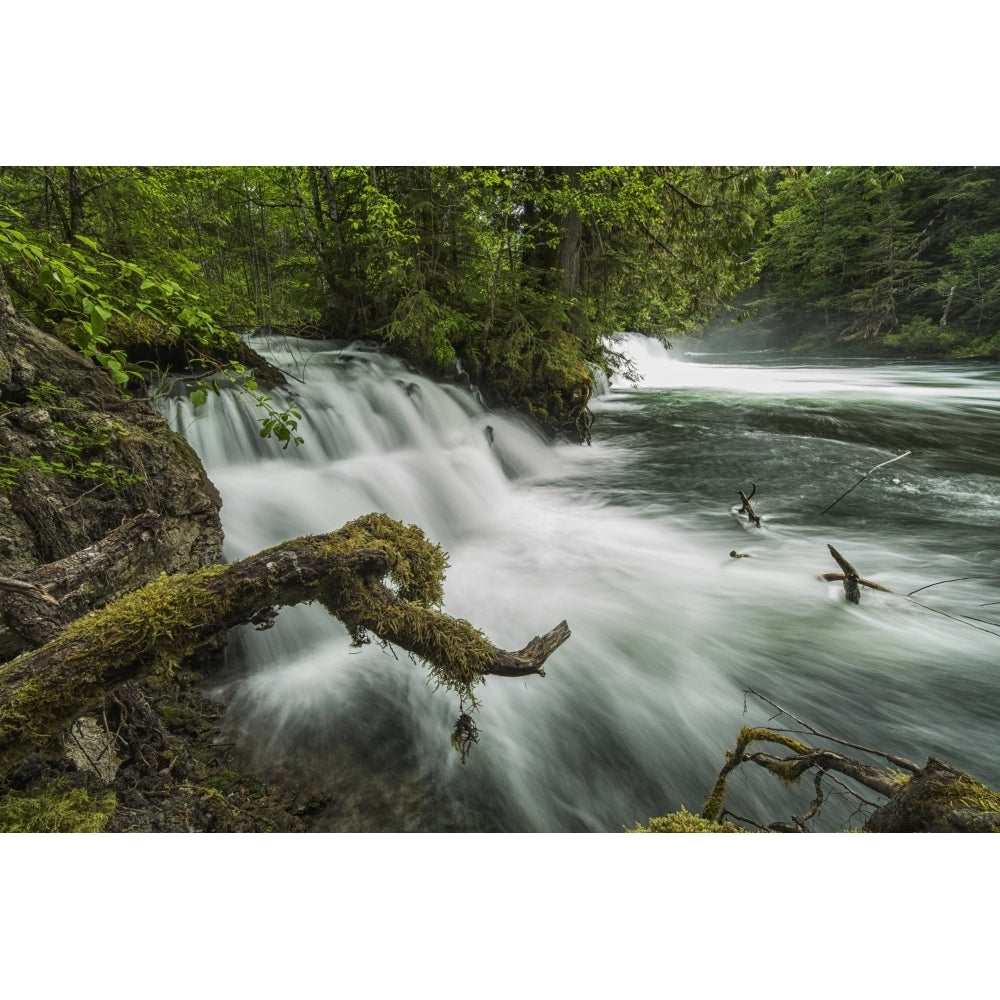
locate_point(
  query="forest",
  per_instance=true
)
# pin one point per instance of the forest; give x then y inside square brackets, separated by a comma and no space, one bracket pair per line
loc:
[512,273]
[856,260]
[122,281]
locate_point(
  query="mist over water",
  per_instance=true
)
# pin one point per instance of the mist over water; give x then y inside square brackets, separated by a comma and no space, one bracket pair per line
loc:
[629,540]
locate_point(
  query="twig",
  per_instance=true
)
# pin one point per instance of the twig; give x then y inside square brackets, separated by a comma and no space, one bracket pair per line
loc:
[741,819]
[954,579]
[800,821]
[962,619]
[862,479]
[902,762]
[28,589]
[853,793]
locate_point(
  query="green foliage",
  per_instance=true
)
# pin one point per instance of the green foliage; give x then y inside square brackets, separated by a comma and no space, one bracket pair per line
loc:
[57,289]
[520,272]
[903,258]
[91,297]
[279,424]
[55,807]
[921,335]
[515,274]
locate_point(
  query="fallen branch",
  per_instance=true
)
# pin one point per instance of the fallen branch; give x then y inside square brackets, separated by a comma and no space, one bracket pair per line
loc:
[870,584]
[851,577]
[378,576]
[932,798]
[54,583]
[747,507]
[853,581]
[862,479]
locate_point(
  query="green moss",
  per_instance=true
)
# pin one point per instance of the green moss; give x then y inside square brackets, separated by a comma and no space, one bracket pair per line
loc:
[747,735]
[416,567]
[157,616]
[178,718]
[76,446]
[55,807]
[225,781]
[940,798]
[685,822]
[948,792]
[150,625]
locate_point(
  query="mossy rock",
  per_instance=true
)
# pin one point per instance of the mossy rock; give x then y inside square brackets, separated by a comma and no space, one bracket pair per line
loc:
[939,799]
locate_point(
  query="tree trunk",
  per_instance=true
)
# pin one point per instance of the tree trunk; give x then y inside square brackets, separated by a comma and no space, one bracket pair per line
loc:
[379,576]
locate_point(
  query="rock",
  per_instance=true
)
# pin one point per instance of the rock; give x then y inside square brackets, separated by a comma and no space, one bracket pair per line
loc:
[79,458]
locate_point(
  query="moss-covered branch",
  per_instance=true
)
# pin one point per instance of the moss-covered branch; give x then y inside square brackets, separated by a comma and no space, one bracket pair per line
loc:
[933,798]
[378,575]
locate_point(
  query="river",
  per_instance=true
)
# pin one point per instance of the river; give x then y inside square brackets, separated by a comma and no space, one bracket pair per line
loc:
[630,541]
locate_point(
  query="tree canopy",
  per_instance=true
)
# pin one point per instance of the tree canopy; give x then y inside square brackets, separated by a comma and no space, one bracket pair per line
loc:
[896,258]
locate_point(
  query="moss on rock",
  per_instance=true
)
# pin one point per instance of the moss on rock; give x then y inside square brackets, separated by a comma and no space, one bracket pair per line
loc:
[939,799]
[683,821]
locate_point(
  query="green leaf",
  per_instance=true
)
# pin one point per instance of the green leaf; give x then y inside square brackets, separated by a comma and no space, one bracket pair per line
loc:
[198,398]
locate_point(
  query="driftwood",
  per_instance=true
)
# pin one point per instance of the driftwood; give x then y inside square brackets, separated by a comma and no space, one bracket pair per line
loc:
[747,507]
[381,578]
[853,581]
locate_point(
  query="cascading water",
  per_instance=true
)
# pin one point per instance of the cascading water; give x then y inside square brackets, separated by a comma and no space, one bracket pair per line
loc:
[629,541]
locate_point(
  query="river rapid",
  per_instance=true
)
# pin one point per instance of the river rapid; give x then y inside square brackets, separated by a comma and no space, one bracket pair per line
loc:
[630,541]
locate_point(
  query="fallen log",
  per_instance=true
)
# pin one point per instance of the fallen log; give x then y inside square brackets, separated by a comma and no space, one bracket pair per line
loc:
[40,603]
[380,577]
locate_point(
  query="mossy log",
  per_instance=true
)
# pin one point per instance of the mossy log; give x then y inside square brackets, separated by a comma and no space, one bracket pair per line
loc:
[380,577]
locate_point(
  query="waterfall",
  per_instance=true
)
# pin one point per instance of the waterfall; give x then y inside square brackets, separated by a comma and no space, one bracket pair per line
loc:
[629,541]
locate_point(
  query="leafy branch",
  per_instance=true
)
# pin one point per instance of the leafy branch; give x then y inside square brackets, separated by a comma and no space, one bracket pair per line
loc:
[96,294]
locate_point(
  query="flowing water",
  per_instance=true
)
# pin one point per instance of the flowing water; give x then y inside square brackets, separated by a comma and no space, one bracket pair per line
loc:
[630,541]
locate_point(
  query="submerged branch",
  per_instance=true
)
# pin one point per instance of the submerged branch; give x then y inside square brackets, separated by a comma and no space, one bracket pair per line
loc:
[862,479]
[851,576]
[893,759]
[747,507]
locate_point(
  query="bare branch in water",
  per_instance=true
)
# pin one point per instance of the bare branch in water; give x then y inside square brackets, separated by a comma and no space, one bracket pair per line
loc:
[862,479]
